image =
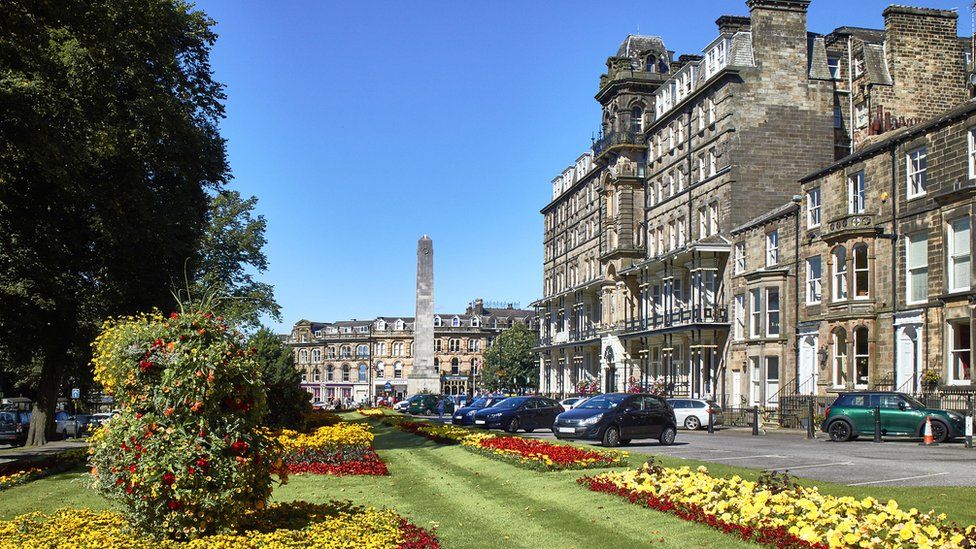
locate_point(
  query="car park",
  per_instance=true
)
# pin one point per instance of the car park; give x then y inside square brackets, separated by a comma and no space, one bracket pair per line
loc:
[427,404]
[14,425]
[522,412]
[694,413]
[571,402]
[618,418]
[465,415]
[853,415]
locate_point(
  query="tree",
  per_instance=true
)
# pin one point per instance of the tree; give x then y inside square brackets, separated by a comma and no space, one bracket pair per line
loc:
[231,251]
[287,401]
[109,155]
[510,362]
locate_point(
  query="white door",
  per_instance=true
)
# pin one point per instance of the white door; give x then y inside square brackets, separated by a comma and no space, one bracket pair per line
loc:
[907,365]
[736,390]
[807,374]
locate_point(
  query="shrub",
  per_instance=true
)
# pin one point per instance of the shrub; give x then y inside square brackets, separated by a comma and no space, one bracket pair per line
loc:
[186,456]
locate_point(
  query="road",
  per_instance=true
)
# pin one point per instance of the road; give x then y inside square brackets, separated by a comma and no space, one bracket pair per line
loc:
[895,462]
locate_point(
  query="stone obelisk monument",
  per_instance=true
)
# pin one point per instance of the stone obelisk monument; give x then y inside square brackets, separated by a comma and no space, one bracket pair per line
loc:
[423,375]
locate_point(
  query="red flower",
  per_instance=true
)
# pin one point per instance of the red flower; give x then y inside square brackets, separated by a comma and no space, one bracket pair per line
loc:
[174,315]
[239,447]
[173,504]
[190,469]
[168,478]
[201,462]
[132,468]
[145,365]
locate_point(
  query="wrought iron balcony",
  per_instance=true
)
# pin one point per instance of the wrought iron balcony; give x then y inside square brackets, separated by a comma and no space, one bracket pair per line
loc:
[679,316]
[613,139]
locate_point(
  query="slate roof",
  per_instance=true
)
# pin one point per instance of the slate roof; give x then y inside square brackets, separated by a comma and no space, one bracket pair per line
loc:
[875,66]
[775,213]
[635,44]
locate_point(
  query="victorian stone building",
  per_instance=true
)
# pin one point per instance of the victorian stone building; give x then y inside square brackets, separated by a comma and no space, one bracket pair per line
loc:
[359,359]
[674,250]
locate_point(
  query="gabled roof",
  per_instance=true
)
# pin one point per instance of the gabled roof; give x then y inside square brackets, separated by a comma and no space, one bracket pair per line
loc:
[781,211]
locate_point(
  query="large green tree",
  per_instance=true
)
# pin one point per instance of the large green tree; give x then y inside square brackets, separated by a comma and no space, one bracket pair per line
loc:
[510,363]
[287,401]
[110,157]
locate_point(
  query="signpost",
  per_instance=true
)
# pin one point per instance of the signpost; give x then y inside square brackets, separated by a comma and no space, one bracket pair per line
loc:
[75,394]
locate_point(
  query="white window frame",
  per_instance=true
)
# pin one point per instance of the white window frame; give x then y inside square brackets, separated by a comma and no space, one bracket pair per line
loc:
[915,172]
[739,316]
[711,110]
[856,252]
[772,248]
[772,317]
[916,269]
[833,68]
[856,193]
[956,354]
[755,313]
[712,162]
[838,271]
[971,152]
[860,115]
[954,256]
[814,286]
[839,366]
[814,208]
[740,257]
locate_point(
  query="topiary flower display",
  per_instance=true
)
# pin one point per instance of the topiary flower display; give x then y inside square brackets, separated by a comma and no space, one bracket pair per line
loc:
[186,456]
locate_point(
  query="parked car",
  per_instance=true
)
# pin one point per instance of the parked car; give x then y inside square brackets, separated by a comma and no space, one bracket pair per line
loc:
[14,425]
[852,415]
[618,418]
[571,402]
[465,416]
[401,406]
[100,419]
[427,404]
[74,426]
[692,413]
[523,412]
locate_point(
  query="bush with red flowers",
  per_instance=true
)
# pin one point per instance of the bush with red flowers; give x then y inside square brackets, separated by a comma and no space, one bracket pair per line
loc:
[186,456]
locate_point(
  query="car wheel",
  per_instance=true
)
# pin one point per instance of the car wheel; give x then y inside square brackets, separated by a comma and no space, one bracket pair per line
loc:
[692,423]
[667,436]
[611,437]
[940,432]
[839,431]
[513,426]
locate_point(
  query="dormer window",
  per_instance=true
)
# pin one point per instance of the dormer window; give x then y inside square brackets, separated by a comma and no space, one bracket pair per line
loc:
[304,337]
[398,325]
[437,322]
[380,324]
[455,322]
[833,66]
[858,65]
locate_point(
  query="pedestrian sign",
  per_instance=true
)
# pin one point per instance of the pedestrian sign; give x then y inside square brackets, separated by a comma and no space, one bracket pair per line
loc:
[76,393]
[388,386]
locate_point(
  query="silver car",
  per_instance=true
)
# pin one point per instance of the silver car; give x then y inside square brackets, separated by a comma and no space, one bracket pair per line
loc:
[692,413]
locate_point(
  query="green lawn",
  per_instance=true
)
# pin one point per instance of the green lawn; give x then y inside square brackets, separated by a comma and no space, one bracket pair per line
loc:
[474,501]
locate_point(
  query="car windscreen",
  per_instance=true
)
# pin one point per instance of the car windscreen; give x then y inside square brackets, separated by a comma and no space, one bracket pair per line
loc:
[509,403]
[915,404]
[603,402]
[480,403]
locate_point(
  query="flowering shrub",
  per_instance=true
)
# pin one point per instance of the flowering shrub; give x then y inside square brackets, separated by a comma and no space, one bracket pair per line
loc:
[372,412]
[342,449]
[541,455]
[296,525]
[587,387]
[780,514]
[651,386]
[186,455]
[17,473]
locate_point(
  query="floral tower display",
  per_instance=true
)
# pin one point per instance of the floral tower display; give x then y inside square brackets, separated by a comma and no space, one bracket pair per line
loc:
[185,455]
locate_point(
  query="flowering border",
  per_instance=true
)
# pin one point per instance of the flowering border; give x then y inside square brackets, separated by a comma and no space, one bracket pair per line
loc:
[23,472]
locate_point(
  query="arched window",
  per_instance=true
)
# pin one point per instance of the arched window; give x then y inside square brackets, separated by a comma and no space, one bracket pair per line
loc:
[330,373]
[345,351]
[362,351]
[454,345]
[838,287]
[380,369]
[455,322]
[397,370]
[363,373]
[345,372]
[381,324]
[475,321]
[398,325]
[839,345]
[862,350]
[636,120]
[650,63]
[411,349]
[330,352]
[472,345]
[455,366]
[316,375]
[381,349]
[303,356]
[316,355]
[861,273]
[437,322]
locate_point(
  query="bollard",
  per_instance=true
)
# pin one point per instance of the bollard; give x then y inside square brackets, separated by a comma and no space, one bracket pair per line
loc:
[755,421]
[969,422]
[810,433]
[877,424]
[711,420]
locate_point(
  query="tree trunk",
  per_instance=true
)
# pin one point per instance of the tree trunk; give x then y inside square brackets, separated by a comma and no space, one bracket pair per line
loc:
[42,412]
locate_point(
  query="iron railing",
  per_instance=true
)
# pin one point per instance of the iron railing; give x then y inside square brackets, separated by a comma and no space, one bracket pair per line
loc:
[613,139]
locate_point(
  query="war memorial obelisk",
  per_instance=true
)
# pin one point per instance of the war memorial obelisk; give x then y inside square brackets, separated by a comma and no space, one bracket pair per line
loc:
[423,376]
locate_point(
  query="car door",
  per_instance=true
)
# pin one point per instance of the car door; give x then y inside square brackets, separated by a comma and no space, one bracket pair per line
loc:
[529,414]
[897,415]
[658,415]
[680,407]
[553,409]
[629,418]
[861,413]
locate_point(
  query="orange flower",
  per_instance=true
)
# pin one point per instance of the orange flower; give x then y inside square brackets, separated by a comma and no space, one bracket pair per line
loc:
[168,412]
[197,406]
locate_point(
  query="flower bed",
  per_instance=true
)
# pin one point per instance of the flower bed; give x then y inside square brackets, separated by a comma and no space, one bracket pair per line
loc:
[780,514]
[541,455]
[372,412]
[321,418]
[524,452]
[17,473]
[343,449]
[295,525]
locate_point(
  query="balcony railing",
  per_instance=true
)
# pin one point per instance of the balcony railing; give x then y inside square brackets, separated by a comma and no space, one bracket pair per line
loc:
[613,139]
[678,317]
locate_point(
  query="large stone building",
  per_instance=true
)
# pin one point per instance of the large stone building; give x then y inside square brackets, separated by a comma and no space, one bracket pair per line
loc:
[672,249]
[356,359]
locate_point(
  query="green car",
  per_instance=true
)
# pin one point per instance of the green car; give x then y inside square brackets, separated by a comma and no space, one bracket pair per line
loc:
[852,415]
[426,405]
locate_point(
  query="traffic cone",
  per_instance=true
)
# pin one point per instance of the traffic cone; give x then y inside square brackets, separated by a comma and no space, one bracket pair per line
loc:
[927,438]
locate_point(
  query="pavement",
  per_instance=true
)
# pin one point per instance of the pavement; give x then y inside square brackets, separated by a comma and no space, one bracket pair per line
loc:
[10,454]
[895,462]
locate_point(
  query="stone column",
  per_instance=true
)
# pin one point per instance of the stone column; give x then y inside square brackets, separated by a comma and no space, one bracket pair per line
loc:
[423,375]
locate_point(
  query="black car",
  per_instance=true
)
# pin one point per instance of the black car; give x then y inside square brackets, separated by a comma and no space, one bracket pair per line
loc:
[465,416]
[618,418]
[14,426]
[516,413]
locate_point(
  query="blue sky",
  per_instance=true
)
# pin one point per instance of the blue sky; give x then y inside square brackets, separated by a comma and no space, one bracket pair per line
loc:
[363,125]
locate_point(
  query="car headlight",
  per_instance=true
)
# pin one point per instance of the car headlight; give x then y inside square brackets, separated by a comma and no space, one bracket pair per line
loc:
[592,419]
[956,417]
[471,413]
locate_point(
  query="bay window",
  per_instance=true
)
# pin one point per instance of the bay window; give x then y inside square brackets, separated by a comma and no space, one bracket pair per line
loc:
[839,345]
[755,313]
[960,371]
[861,357]
[772,312]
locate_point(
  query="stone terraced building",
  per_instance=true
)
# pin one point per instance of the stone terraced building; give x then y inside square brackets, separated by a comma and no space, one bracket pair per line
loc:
[678,250]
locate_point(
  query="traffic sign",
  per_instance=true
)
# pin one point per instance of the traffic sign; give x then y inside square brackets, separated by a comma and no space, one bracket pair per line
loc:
[76,393]
[388,386]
